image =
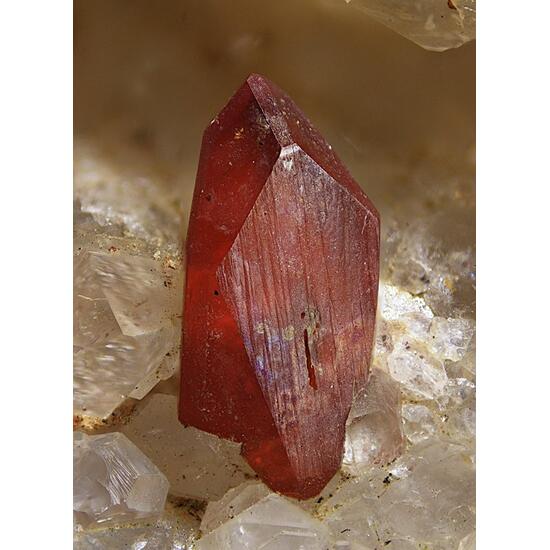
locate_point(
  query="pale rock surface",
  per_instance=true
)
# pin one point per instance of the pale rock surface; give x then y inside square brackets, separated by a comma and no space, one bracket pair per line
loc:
[433,24]
[197,464]
[114,481]
[126,328]
[374,432]
[272,523]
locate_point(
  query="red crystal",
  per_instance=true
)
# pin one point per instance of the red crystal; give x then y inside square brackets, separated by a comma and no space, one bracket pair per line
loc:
[281,290]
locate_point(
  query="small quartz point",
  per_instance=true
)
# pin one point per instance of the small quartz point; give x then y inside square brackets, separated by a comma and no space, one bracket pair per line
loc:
[197,464]
[114,481]
[281,291]
[374,434]
[272,522]
[436,25]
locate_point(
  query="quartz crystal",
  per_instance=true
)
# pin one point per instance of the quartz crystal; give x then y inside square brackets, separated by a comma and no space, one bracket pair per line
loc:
[114,480]
[232,504]
[415,344]
[125,329]
[197,464]
[374,433]
[272,522]
[424,500]
[433,24]
[174,530]
[281,290]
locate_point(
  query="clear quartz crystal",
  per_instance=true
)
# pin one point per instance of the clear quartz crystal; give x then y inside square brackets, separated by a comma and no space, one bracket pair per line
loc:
[374,433]
[433,24]
[125,328]
[421,343]
[197,464]
[127,281]
[272,523]
[233,503]
[114,481]
[419,423]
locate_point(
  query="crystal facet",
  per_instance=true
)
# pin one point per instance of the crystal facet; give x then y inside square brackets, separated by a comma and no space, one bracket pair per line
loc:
[124,329]
[114,480]
[281,290]
[272,522]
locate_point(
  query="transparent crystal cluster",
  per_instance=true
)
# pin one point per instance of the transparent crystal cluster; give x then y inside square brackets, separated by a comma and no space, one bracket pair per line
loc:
[127,278]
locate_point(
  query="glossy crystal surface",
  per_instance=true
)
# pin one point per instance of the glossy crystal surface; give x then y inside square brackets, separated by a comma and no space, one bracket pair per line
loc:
[281,290]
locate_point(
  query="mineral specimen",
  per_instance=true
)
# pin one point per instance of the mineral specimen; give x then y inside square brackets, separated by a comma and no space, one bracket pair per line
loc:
[374,433]
[114,480]
[281,291]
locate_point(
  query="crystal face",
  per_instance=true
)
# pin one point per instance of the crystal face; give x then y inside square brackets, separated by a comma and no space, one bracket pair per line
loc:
[124,329]
[114,480]
[281,291]
[269,522]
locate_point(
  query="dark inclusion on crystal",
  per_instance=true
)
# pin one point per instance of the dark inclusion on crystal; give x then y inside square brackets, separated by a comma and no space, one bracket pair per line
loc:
[281,290]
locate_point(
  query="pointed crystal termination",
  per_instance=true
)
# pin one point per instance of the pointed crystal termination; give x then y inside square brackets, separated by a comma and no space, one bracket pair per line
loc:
[281,291]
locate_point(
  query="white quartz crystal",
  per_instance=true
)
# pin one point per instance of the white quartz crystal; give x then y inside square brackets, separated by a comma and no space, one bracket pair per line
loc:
[197,464]
[433,24]
[415,344]
[114,481]
[234,502]
[374,432]
[272,523]
[126,328]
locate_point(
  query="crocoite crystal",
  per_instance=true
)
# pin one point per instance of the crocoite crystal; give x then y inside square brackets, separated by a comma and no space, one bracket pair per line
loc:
[281,290]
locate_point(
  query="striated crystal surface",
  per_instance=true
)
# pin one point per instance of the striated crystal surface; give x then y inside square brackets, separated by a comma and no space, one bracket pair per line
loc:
[272,523]
[433,24]
[281,290]
[114,481]
[197,464]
